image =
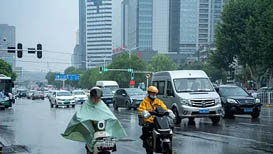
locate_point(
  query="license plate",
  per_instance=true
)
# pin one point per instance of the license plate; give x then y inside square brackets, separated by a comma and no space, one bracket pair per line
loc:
[109,100]
[204,111]
[248,109]
[66,102]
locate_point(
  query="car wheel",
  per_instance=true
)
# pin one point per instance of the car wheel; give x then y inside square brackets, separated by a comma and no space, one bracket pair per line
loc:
[128,105]
[67,106]
[51,105]
[177,119]
[73,106]
[115,105]
[56,106]
[215,120]
[2,108]
[255,115]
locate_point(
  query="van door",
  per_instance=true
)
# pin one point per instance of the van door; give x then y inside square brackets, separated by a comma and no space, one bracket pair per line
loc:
[168,97]
[160,85]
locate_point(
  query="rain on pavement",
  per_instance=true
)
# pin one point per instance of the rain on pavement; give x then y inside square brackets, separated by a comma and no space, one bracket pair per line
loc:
[33,127]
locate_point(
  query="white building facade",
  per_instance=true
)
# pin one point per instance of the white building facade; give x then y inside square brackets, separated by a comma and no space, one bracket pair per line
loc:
[98,33]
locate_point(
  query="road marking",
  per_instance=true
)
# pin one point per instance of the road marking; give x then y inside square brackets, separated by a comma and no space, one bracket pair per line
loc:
[238,138]
[241,123]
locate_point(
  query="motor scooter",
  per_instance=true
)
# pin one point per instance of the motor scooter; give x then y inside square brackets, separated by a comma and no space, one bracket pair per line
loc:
[161,139]
[103,143]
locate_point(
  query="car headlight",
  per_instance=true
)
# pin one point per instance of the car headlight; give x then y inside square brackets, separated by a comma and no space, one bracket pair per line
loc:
[218,100]
[185,101]
[257,100]
[232,101]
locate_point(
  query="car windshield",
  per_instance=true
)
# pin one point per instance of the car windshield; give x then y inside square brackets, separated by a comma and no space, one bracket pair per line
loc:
[78,93]
[38,92]
[107,91]
[112,88]
[193,85]
[64,94]
[135,92]
[232,91]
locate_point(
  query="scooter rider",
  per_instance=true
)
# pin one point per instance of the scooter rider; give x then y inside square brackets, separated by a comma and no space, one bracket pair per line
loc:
[150,103]
[81,127]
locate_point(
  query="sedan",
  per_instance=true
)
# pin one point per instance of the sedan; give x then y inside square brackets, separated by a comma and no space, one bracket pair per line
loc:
[79,96]
[236,100]
[38,95]
[62,98]
[107,96]
[128,98]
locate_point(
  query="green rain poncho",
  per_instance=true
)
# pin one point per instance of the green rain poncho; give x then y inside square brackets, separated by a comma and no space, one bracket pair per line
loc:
[81,129]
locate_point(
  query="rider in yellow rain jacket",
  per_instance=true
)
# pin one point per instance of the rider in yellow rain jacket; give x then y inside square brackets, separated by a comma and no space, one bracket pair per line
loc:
[150,103]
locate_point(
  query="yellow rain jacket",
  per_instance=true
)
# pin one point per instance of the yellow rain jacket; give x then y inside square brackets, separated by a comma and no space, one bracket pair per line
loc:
[149,105]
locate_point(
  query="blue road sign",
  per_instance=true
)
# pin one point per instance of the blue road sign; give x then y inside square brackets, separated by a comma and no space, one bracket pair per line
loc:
[60,77]
[73,77]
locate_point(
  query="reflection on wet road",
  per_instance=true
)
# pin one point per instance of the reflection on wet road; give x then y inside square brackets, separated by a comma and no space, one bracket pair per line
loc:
[34,127]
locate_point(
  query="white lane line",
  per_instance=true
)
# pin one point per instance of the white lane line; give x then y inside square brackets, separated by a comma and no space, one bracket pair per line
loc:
[242,123]
[238,138]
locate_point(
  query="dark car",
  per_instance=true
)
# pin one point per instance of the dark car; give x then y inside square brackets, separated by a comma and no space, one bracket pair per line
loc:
[236,100]
[107,96]
[38,95]
[21,93]
[128,97]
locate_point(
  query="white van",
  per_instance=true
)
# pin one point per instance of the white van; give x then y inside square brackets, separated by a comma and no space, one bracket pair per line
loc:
[113,85]
[189,93]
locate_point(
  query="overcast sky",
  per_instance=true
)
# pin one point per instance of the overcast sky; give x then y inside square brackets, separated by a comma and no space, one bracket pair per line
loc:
[51,22]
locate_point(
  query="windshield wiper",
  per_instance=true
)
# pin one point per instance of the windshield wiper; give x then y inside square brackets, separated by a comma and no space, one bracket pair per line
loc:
[202,90]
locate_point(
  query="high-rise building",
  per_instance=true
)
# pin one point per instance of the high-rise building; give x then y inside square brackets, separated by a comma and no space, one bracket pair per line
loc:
[98,32]
[76,56]
[137,23]
[82,34]
[7,39]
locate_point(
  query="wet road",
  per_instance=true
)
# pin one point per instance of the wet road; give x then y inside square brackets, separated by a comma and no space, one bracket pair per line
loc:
[33,127]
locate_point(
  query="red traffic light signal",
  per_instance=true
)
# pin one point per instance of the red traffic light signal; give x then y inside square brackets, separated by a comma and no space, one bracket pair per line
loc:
[19,50]
[39,51]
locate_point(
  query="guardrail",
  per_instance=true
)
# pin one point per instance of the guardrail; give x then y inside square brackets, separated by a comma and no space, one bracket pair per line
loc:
[266,98]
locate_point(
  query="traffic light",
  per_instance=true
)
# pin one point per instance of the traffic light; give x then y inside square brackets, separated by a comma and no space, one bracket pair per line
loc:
[11,49]
[19,50]
[132,76]
[105,69]
[101,69]
[130,70]
[39,51]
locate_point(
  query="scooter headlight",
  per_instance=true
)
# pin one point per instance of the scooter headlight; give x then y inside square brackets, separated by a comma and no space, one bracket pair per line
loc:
[101,125]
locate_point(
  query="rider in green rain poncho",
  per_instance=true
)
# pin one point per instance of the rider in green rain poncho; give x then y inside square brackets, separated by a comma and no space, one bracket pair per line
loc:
[80,127]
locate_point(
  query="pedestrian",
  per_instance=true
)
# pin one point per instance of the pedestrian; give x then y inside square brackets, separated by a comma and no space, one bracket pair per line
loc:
[93,110]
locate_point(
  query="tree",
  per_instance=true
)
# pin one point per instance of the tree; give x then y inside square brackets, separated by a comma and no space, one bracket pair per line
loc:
[124,62]
[245,35]
[161,62]
[6,69]
[213,72]
[50,76]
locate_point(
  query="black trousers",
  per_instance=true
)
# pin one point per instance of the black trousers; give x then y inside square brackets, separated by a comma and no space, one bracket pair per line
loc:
[147,130]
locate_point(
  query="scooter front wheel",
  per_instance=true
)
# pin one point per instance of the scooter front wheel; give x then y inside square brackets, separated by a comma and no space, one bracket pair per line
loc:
[149,151]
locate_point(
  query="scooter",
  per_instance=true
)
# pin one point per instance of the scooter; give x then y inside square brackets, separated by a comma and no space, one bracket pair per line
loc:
[103,144]
[161,139]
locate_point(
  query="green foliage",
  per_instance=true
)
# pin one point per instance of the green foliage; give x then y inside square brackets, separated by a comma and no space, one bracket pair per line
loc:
[6,69]
[245,33]
[123,62]
[213,72]
[50,76]
[161,62]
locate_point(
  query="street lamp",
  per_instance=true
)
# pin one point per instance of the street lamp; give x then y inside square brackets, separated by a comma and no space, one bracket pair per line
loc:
[130,50]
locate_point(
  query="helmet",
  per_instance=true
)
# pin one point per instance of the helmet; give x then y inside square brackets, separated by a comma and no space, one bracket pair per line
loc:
[96,92]
[152,89]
